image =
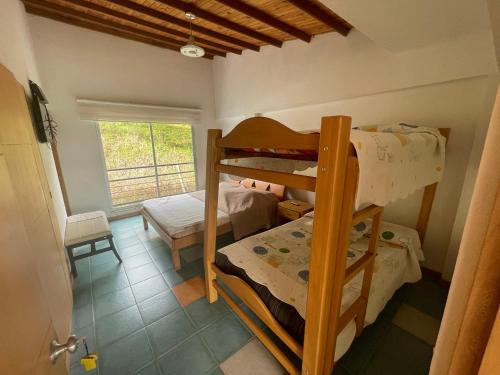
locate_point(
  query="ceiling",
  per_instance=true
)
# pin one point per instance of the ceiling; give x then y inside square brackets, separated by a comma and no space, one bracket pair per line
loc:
[221,27]
[402,25]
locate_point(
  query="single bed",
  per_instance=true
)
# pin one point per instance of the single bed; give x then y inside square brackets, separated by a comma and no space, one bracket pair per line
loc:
[276,266]
[179,219]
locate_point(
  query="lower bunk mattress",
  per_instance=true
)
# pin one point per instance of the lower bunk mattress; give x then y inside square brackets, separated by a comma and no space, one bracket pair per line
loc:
[275,264]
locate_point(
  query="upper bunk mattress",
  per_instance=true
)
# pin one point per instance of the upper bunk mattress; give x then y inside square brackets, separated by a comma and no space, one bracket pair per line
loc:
[276,265]
[394,161]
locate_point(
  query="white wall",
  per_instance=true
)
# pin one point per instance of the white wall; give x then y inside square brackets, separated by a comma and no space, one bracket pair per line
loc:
[446,84]
[16,54]
[79,63]
[332,68]
[475,158]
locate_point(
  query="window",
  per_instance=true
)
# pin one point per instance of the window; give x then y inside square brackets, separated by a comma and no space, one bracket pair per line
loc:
[147,160]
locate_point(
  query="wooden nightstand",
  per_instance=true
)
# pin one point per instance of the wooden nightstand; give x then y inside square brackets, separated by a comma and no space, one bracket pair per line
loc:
[293,209]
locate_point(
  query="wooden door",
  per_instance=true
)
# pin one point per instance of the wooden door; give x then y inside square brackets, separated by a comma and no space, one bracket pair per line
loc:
[35,292]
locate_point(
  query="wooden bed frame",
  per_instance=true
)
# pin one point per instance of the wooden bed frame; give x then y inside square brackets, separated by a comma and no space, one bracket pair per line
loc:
[335,188]
[176,244]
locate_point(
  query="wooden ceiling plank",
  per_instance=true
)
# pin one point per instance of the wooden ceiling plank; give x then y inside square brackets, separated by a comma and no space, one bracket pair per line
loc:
[266,18]
[115,25]
[42,12]
[185,24]
[221,21]
[127,17]
[315,11]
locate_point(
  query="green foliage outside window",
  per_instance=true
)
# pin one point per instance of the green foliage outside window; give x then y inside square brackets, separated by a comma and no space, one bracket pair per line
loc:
[129,145]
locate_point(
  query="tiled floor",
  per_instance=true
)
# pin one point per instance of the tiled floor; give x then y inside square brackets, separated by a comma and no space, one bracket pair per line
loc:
[142,317]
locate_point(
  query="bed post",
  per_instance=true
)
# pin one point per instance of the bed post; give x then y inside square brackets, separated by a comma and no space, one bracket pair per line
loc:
[428,199]
[211,206]
[327,265]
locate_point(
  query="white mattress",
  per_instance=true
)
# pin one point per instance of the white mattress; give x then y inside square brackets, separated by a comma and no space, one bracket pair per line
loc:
[180,215]
[279,260]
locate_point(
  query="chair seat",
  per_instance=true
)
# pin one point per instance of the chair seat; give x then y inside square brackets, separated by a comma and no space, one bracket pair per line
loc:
[86,227]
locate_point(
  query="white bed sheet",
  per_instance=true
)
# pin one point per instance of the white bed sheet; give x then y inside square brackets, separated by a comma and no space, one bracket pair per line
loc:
[180,215]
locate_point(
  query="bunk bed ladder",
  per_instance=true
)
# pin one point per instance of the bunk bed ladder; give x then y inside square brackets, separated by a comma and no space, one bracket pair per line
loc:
[365,264]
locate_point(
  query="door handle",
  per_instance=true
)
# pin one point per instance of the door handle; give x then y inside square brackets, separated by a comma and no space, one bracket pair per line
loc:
[70,346]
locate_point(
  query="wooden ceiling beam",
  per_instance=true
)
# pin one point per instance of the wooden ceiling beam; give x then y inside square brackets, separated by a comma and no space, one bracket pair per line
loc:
[182,23]
[211,17]
[99,28]
[126,17]
[115,25]
[266,18]
[317,12]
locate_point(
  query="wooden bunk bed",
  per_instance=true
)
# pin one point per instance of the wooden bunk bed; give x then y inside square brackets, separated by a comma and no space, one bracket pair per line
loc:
[335,187]
[193,237]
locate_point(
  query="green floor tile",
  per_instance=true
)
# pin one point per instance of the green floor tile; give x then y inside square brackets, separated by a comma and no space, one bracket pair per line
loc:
[137,260]
[157,307]
[150,369]
[116,326]
[203,313]
[149,288]
[82,297]
[225,337]
[113,302]
[127,355]
[79,370]
[129,251]
[109,284]
[185,273]
[153,243]
[141,273]
[189,358]
[102,258]
[169,331]
[400,353]
[82,316]
[107,269]
[127,242]
[426,296]
[363,348]
[217,371]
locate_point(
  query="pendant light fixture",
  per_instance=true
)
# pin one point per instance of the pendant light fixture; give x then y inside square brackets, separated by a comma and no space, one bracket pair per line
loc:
[191,49]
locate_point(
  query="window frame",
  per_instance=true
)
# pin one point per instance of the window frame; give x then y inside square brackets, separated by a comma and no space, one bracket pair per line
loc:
[135,206]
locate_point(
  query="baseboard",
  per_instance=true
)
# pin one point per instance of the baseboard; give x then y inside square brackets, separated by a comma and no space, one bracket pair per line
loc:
[436,276]
[124,215]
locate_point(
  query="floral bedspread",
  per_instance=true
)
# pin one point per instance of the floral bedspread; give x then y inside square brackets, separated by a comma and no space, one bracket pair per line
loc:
[279,259]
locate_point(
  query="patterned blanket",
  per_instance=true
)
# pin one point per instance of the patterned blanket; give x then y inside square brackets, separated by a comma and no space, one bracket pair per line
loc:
[279,259]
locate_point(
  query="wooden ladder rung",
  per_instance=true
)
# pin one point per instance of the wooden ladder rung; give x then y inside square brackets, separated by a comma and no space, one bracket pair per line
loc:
[350,313]
[358,266]
[365,213]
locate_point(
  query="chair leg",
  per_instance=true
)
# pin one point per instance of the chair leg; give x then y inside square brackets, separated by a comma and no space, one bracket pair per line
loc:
[113,248]
[145,222]
[69,250]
